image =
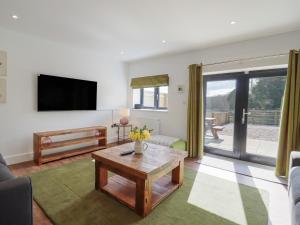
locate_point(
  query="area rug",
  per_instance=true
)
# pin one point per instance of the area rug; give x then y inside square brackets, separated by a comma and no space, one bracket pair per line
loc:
[67,196]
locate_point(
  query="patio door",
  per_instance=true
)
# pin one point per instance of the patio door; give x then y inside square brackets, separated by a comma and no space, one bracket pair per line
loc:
[242,114]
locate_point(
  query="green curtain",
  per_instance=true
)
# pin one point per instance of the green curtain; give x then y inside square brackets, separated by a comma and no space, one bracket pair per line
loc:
[289,138]
[150,81]
[195,118]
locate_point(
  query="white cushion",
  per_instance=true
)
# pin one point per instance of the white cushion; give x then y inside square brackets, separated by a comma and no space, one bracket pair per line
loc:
[162,140]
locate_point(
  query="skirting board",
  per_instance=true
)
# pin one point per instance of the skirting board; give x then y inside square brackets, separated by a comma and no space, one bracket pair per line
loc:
[28,156]
[18,158]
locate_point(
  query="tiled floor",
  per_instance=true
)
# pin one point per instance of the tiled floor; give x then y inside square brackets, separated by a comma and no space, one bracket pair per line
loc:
[278,203]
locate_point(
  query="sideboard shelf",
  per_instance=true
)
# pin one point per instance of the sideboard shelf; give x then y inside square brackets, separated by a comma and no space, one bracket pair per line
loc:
[69,153]
[74,141]
[42,142]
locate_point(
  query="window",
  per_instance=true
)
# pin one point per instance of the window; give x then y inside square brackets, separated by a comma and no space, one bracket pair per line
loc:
[163,97]
[150,98]
[136,96]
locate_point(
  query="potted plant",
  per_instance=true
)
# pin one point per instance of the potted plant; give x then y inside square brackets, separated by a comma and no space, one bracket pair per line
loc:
[139,135]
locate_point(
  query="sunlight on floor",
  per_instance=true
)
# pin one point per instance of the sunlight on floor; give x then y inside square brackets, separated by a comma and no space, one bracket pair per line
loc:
[215,201]
[242,167]
[278,207]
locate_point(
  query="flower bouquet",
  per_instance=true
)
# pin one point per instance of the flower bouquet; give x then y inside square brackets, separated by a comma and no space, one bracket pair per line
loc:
[139,135]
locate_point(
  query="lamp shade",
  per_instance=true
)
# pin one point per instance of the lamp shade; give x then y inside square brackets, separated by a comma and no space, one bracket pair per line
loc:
[125,112]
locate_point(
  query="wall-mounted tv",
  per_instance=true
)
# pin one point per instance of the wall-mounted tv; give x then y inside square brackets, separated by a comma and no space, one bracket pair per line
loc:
[61,93]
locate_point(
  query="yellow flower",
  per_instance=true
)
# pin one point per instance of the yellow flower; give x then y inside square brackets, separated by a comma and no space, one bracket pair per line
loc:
[139,134]
[146,134]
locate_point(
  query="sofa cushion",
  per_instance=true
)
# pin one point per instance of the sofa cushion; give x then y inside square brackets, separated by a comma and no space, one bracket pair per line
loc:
[2,160]
[162,140]
[5,173]
[181,145]
[294,184]
[295,214]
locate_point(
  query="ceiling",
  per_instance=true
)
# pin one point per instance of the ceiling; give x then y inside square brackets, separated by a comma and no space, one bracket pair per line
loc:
[137,27]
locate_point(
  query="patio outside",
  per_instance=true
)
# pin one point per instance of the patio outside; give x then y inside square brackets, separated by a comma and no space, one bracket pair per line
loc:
[261,139]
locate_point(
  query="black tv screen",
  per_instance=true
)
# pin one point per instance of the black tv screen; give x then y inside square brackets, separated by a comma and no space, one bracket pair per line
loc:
[60,93]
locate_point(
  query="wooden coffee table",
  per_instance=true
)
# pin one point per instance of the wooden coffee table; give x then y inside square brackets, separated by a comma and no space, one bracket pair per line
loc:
[141,181]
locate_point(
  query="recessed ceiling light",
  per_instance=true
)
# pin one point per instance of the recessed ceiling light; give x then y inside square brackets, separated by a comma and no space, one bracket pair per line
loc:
[233,22]
[15,17]
[122,52]
[164,41]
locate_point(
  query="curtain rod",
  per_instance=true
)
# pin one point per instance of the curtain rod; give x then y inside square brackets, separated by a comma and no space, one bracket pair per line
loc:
[248,59]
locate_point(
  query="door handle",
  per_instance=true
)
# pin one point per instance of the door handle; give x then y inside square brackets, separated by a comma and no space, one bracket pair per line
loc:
[244,115]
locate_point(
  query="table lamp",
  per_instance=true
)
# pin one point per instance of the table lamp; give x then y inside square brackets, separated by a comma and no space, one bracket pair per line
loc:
[124,113]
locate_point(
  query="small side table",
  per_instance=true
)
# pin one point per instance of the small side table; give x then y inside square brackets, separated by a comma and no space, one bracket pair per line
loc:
[119,126]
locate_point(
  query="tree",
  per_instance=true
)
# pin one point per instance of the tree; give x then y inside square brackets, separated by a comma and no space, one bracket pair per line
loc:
[231,100]
[265,93]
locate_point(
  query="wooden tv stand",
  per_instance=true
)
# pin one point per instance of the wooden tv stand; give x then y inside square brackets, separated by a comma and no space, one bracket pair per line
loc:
[42,141]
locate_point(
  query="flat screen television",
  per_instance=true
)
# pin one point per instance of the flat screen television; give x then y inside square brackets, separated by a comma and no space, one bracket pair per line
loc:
[61,93]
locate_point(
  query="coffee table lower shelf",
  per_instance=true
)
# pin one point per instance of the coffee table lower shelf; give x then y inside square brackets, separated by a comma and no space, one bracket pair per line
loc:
[124,190]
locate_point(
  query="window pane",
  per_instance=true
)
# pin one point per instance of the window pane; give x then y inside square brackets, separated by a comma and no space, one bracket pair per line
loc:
[265,96]
[219,115]
[136,96]
[149,97]
[163,97]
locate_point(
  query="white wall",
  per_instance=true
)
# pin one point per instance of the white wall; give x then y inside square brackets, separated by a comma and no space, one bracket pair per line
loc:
[174,121]
[29,56]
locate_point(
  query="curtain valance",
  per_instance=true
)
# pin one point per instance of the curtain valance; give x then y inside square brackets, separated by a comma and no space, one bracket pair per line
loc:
[150,81]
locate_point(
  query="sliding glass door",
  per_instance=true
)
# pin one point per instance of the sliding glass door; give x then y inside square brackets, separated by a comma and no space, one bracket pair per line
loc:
[265,94]
[242,114]
[220,104]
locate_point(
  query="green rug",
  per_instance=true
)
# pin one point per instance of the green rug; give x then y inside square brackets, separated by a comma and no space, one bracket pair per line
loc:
[67,196]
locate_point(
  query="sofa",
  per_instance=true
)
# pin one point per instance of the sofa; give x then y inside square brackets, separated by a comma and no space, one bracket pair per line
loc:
[294,187]
[15,198]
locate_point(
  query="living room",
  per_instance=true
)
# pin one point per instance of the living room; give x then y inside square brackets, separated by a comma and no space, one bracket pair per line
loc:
[212,87]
